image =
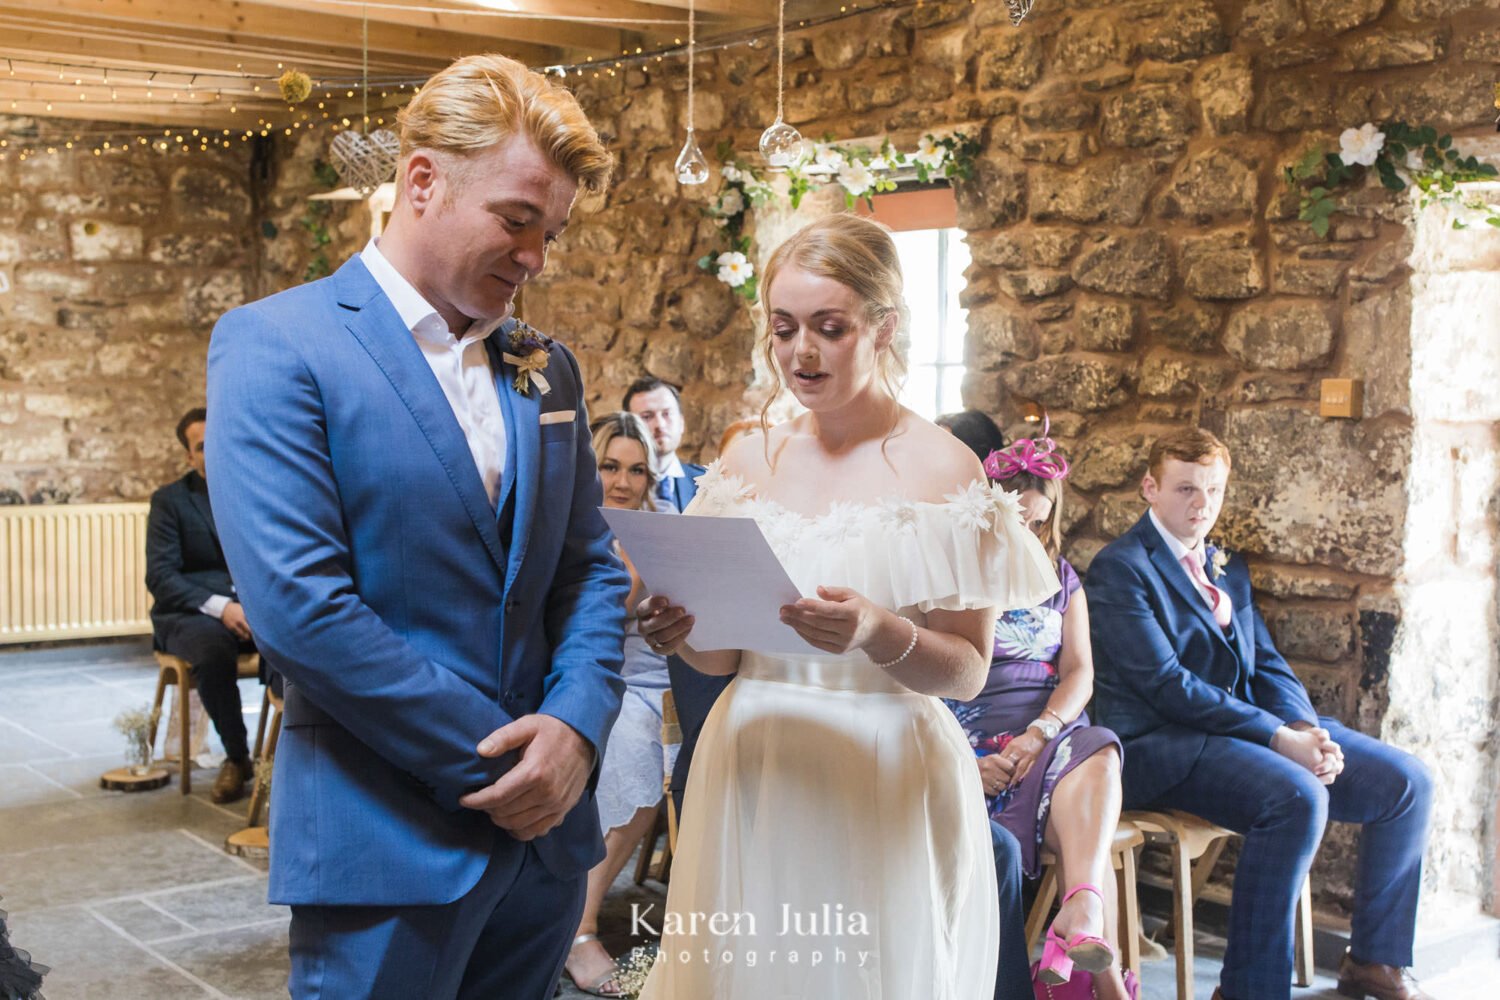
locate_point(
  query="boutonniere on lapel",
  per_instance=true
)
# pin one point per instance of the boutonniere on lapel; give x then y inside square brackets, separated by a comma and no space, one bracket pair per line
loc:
[528,352]
[1217,559]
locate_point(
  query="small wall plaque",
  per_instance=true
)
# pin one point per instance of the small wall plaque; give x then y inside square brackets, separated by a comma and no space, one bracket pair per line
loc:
[1342,397]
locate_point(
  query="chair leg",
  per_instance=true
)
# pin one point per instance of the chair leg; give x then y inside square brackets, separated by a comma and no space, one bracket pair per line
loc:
[260,724]
[1130,913]
[261,793]
[1041,907]
[185,724]
[158,702]
[1302,963]
[1182,919]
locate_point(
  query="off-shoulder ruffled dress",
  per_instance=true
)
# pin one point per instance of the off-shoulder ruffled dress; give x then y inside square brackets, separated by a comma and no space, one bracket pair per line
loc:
[834,841]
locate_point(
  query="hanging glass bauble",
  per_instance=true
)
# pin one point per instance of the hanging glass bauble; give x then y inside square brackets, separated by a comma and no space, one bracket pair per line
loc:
[781,145]
[692,167]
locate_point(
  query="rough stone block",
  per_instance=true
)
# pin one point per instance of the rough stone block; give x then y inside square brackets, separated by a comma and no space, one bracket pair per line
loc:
[1299,581]
[838,49]
[1268,21]
[1110,458]
[1087,43]
[1224,87]
[1073,382]
[1190,326]
[1059,109]
[1105,189]
[1149,114]
[1385,48]
[96,240]
[1282,334]
[202,195]
[1216,269]
[1105,326]
[1312,631]
[1217,183]
[999,335]
[1137,264]
[1334,16]
[211,297]
[1168,376]
[1184,31]
[1008,59]
[1116,513]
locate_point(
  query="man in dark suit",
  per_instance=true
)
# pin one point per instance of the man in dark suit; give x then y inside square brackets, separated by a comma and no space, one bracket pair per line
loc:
[1215,723]
[659,406]
[196,616]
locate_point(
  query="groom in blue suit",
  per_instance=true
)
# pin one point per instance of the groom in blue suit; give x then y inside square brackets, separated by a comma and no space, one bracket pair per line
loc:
[1215,723]
[408,501]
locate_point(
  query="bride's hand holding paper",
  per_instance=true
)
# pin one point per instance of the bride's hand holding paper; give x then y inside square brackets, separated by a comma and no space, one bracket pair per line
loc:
[840,620]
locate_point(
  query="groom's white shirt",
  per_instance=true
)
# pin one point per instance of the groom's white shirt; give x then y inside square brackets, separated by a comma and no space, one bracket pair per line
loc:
[461,365]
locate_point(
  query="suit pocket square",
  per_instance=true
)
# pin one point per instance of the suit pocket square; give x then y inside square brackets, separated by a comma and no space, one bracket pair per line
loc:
[557,417]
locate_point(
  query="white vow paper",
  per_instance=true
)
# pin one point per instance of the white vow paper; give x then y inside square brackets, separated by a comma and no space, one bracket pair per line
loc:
[721,569]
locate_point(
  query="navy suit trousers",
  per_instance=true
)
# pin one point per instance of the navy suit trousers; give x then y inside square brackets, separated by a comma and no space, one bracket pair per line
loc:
[1013,980]
[1282,809]
[505,939]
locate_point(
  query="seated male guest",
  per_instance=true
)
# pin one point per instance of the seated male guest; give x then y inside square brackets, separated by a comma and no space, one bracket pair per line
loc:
[659,407]
[1216,724]
[196,616]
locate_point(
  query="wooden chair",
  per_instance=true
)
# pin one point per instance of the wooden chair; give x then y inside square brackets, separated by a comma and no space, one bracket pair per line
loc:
[174,670]
[1122,859]
[666,819]
[1196,844]
[255,838]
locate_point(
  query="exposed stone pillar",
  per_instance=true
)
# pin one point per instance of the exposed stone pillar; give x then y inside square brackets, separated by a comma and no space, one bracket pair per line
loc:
[1442,678]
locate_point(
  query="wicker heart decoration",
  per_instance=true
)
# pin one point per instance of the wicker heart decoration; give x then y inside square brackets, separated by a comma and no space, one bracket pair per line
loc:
[364,162]
[1018,10]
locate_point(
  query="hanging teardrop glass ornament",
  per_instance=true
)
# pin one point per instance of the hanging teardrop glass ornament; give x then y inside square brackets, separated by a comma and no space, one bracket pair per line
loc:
[781,144]
[692,167]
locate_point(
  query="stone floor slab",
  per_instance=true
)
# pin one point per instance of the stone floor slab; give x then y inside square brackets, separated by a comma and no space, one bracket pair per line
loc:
[23,788]
[92,962]
[215,908]
[141,921]
[247,963]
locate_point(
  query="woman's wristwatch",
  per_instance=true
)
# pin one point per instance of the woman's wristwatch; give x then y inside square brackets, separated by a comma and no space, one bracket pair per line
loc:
[1048,728]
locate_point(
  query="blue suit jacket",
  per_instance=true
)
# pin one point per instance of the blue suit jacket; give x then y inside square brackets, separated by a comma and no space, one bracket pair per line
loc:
[1166,675]
[409,618]
[686,486]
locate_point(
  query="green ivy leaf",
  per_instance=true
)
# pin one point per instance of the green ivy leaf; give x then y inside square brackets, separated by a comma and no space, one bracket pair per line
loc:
[1319,226]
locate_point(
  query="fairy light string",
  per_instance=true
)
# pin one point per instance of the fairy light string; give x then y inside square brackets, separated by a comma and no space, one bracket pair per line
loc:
[228,86]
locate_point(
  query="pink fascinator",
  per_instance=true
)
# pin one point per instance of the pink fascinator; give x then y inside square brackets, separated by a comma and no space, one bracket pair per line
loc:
[1037,456]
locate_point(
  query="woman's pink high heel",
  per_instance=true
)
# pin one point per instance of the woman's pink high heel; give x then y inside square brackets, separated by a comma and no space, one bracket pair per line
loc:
[1087,951]
[1056,967]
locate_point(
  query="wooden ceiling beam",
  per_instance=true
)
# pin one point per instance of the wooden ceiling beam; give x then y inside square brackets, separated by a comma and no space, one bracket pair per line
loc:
[130,118]
[23,42]
[240,22]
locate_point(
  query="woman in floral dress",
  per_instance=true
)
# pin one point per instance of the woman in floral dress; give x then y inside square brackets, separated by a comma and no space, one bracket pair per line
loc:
[1051,778]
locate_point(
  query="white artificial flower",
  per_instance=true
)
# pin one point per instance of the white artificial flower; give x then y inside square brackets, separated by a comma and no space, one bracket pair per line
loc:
[879,163]
[732,173]
[898,515]
[734,269]
[929,153]
[972,506]
[827,157]
[1361,145]
[1007,506]
[1415,162]
[731,202]
[856,178]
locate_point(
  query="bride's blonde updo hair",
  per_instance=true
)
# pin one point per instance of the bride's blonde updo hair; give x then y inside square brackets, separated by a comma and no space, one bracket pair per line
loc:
[859,254]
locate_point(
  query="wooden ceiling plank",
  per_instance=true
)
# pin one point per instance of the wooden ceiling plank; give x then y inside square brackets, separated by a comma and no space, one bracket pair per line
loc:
[22,43]
[240,21]
[127,118]
[462,19]
[288,52]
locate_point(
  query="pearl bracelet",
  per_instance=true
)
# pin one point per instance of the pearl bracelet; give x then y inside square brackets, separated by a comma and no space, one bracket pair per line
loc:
[909,646]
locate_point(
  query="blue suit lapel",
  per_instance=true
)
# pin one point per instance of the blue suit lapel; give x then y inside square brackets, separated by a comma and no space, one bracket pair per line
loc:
[522,459]
[379,329]
[1244,619]
[1176,577]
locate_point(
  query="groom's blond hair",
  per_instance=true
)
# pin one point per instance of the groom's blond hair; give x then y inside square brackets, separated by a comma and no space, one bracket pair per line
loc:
[479,101]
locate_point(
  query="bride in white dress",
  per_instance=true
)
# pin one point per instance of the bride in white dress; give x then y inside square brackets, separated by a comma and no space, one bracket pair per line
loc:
[834,842]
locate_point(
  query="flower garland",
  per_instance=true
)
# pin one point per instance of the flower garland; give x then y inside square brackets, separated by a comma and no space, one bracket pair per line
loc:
[1402,156]
[860,171]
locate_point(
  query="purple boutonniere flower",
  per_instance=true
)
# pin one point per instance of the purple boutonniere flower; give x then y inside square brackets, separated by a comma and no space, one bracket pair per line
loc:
[529,353]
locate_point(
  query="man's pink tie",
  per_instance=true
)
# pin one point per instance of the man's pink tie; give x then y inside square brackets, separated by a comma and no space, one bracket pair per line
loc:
[1217,599]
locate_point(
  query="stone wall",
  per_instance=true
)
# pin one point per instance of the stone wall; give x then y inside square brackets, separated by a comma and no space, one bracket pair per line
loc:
[1137,265]
[118,266]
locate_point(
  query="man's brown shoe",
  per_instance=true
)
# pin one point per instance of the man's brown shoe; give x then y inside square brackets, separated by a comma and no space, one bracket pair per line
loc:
[229,786]
[1383,982]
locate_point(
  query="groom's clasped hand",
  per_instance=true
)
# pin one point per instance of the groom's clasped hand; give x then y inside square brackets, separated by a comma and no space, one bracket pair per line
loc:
[545,783]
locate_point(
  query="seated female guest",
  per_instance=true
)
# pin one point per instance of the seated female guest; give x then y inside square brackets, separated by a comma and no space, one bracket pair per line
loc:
[630,776]
[1052,779]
